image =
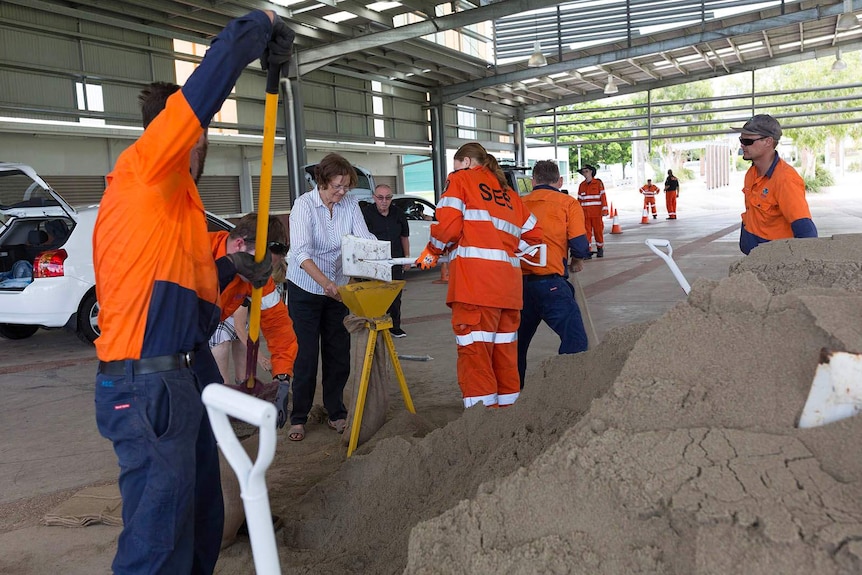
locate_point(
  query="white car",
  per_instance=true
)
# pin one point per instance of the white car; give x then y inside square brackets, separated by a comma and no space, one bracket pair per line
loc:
[46,258]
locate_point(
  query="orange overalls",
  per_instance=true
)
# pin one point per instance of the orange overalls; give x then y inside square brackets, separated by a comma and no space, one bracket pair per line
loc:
[650,191]
[481,225]
[275,322]
[592,197]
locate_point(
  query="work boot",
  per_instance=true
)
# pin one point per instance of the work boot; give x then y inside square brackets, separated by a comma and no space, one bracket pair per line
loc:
[655,217]
[600,253]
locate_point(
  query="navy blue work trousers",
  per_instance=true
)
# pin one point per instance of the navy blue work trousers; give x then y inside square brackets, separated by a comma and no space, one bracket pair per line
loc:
[173,512]
[318,322]
[552,299]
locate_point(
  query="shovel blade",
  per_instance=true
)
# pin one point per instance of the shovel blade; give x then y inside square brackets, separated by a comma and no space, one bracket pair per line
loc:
[364,258]
[836,392]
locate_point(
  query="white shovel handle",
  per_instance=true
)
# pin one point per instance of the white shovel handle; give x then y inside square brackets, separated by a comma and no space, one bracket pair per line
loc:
[530,251]
[654,245]
[221,402]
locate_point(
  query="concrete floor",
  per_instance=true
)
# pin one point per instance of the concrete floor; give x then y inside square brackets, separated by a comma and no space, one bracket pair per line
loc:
[49,438]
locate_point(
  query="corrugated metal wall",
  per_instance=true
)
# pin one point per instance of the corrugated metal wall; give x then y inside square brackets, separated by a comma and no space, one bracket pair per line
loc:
[220,194]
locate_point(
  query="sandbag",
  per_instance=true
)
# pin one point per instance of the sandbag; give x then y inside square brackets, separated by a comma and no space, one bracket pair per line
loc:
[234,512]
[377,397]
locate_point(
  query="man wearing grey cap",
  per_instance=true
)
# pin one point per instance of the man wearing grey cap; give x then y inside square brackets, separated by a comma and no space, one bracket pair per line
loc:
[775,204]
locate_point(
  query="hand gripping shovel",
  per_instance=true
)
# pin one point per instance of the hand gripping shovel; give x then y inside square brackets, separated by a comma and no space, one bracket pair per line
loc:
[372,259]
[654,245]
[221,402]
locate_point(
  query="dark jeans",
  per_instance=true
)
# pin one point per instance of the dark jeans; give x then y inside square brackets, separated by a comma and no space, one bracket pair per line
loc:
[551,299]
[173,512]
[318,322]
[395,309]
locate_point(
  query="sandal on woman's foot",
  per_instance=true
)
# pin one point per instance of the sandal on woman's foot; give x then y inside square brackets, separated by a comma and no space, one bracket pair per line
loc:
[338,425]
[296,432]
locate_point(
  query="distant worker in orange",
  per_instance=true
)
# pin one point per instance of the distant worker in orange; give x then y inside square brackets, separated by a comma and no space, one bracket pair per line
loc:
[482,223]
[671,191]
[775,204]
[650,191]
[591,195]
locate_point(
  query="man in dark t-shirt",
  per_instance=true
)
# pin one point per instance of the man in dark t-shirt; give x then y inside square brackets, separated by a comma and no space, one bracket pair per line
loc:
[389,223]
[671,191]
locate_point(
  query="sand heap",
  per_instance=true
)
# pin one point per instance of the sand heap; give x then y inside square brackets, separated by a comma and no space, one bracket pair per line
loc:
[671,448]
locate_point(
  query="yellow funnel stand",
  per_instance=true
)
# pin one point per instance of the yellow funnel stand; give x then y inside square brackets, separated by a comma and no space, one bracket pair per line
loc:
[370,300]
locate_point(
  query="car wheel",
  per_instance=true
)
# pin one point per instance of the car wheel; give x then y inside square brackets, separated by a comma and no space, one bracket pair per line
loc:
[16,331]
[88,318]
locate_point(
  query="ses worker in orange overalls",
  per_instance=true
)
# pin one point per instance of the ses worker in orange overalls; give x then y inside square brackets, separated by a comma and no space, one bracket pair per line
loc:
[274,320]
[591,195]
[650,191]
[482,223]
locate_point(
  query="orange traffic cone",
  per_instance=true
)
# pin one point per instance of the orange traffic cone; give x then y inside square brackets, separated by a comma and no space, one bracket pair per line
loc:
[611,211]
[444,274]
[645,218]
[616,229]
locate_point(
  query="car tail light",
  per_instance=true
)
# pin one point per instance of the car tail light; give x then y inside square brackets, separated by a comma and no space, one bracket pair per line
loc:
[49,264]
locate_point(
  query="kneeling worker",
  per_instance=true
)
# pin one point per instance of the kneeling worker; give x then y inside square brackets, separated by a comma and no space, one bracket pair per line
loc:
[547,294]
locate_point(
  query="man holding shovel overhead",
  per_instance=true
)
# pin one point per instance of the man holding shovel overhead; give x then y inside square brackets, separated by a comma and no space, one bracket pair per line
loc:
[158,288]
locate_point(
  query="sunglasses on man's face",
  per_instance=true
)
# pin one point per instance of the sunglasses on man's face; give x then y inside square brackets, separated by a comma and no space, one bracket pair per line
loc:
[749,141]
[277,248]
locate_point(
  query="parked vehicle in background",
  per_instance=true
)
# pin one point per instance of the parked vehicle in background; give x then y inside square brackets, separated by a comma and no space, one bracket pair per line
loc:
[47,278]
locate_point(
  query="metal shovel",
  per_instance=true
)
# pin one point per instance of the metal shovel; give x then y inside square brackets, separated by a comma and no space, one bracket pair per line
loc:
[372,259]
[654,245]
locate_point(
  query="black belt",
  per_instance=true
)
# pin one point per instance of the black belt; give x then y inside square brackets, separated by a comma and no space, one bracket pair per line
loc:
[149,364]
[537,278]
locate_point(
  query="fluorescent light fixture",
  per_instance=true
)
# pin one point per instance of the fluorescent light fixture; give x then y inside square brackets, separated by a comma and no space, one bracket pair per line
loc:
[611,87]
[537,60]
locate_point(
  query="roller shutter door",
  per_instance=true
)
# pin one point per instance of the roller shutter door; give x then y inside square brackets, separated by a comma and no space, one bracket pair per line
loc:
[279,196]
[78,190]
[220,194]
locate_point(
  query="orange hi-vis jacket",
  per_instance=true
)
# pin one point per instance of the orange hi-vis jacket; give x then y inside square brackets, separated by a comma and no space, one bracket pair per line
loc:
[592,198]
[562,219]
[483,226]
[649,191]
[773,201]
[274,320]
[156,280]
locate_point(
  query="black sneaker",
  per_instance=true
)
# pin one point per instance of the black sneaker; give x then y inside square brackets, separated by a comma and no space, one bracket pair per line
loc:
[397,332]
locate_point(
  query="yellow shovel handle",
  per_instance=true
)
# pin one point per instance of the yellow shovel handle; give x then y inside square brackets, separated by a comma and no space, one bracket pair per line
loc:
[270,117]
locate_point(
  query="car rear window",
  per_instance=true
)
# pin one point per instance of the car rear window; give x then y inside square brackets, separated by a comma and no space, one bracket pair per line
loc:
[18,190]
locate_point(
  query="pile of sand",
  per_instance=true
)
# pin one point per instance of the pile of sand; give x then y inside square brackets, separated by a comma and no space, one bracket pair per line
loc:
[671,448]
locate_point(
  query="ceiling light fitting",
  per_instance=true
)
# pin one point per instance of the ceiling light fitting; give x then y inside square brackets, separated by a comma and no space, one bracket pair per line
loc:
[611,87]
[848,20]
[537,59]
[838,64]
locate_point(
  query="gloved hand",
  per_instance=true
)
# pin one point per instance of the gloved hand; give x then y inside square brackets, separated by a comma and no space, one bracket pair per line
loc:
[281,401]
[427,260]
[257,273]
[279,48]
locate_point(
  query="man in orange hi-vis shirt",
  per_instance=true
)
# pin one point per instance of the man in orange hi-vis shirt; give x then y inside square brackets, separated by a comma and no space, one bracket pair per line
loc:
[158,290]
[482,223]
[775,204]
[650,191]
[591,195]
